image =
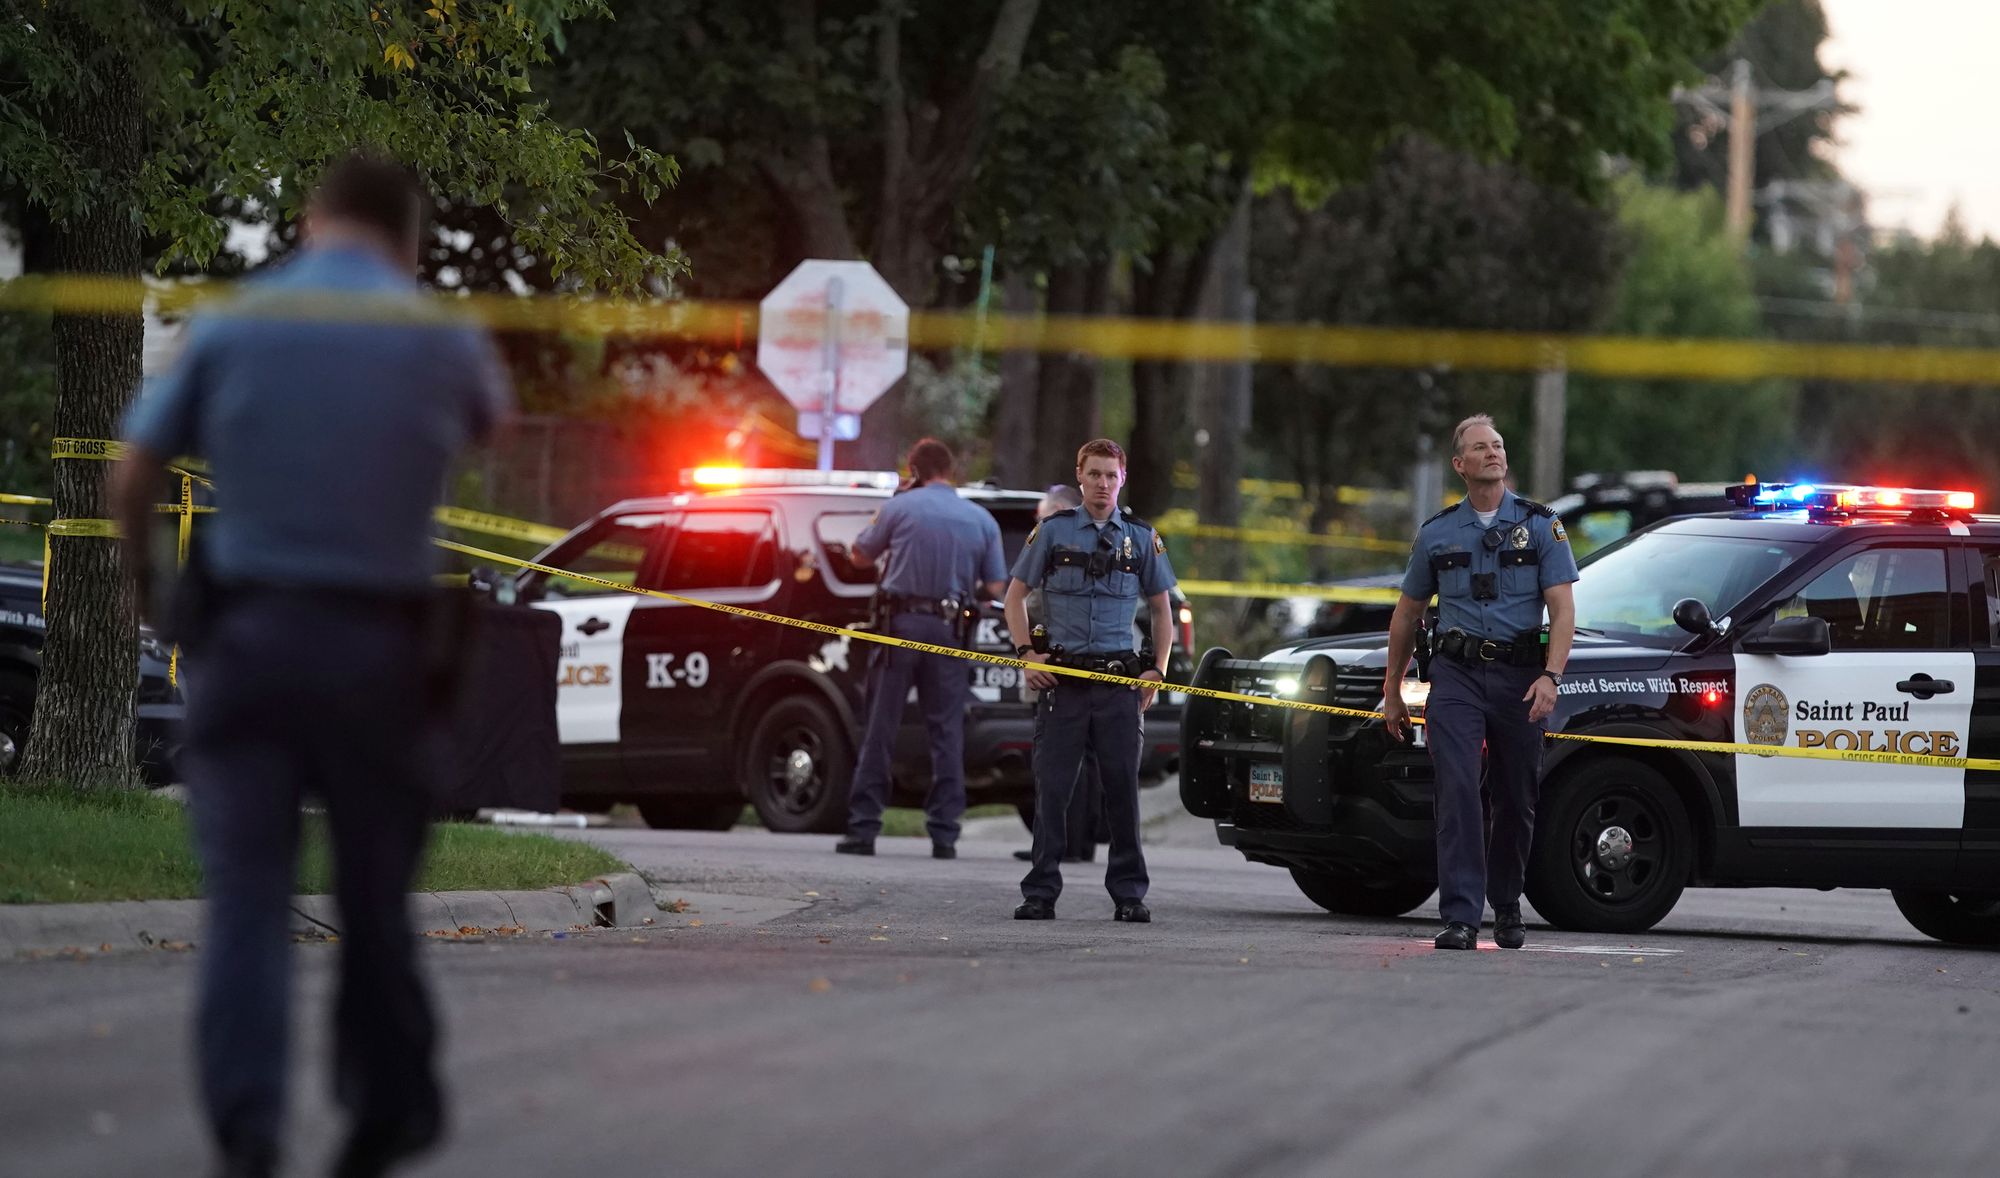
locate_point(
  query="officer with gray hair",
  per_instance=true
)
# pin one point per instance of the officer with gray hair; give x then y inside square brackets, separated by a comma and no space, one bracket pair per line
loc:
[1495,561]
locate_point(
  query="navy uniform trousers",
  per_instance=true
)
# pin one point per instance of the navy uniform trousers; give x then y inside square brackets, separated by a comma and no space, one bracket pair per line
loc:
[1471,706]
[297,693]
[1073,719]
[942,691]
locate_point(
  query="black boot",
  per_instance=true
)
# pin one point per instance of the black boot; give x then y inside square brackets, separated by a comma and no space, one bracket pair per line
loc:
[1509,930]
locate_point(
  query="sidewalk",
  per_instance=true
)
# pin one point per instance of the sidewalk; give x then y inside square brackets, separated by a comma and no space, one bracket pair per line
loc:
[615,901]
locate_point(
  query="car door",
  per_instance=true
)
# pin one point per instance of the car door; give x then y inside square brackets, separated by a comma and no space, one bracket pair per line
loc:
[589,673]
[1979,848]
[1899,678]
[684,665]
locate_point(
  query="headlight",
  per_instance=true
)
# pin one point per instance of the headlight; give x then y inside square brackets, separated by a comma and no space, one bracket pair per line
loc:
[1286,687]
[1416,693]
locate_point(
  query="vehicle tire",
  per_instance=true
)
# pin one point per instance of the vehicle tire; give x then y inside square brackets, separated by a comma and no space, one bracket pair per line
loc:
[17,710]
[1613,849]
[1959,919]
[1347,896]
[797,766]
[690,814]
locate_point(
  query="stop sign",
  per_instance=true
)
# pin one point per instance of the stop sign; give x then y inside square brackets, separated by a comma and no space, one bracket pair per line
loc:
[833,336]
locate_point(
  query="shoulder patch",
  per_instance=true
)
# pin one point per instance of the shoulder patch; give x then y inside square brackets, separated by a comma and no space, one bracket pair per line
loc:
[1556,529]
[1034,531]
[1440,515]
[1159,545]
[1534,507]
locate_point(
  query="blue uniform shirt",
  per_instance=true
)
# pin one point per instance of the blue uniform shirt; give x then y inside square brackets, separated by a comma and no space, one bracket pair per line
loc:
[1528,552]
[1086,614]
[330,439]
[939,544]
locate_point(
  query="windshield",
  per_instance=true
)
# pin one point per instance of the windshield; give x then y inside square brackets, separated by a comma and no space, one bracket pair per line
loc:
[1628,590]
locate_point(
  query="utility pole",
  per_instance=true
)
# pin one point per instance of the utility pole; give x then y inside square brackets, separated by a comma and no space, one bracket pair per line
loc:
[1742,149]
[1751,110]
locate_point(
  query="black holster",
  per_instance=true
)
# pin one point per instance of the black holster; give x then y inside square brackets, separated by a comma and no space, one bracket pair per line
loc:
[1423,651]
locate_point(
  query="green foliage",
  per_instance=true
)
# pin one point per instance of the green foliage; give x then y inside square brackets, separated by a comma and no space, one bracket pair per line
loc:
[1682,278]
[27,404]
[245,100]
[59,844]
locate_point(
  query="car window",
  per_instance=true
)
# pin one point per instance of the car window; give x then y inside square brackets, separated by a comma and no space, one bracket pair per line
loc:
[1882,599]
[1629,588]
[1592,530]
[835,531]
[613,550]
[1991,560]
[721,550]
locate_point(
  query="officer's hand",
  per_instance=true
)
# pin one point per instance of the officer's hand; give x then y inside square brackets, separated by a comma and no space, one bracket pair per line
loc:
[1148,694]
[1039,680]
[1541,699]
[1396,714]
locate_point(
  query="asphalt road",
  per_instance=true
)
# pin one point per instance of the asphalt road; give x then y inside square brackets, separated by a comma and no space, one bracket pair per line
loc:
[821,1015]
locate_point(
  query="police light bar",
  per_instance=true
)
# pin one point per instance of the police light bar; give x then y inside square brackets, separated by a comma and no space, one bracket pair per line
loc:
[753,476]
[1848,499]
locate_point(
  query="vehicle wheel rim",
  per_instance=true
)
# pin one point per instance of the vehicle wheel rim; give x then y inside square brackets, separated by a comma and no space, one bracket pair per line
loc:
[1619,849]
[9,751]
[794,770]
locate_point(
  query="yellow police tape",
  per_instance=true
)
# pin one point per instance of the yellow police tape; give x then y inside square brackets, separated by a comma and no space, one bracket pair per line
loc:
[468,520]
[1759,750]
[1281,536]
[102,449]
[1148,339]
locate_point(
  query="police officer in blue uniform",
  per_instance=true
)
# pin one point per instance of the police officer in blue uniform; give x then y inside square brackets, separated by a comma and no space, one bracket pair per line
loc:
[941,551]
[1495,561]
[1093,564]
[307,667]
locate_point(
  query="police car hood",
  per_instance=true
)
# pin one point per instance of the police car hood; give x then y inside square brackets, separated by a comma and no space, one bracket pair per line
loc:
[1372,650]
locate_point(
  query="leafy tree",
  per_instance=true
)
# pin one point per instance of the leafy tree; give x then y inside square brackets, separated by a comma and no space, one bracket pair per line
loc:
[1682,278]
[125,128]
[1433,238]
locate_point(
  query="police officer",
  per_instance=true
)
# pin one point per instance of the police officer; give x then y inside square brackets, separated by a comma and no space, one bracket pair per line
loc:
[1093,565]
[307,658]
[1086,807]
[941,551]
[1495,561]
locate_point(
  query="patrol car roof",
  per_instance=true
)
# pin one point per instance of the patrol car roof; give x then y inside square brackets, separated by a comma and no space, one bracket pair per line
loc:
[1810,526]
[685,498]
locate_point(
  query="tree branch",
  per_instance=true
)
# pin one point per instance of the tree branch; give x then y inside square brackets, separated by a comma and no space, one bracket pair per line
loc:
[891,224]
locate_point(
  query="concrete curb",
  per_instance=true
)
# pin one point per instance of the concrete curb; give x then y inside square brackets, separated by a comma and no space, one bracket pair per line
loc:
[621,900]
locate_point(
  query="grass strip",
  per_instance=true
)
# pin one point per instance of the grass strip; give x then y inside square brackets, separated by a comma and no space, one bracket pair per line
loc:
[64,845]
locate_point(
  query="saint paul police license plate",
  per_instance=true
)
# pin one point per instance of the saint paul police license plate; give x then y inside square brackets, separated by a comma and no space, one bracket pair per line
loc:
[1267,783]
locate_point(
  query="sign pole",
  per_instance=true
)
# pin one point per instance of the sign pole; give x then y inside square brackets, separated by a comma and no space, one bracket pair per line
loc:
[830,372]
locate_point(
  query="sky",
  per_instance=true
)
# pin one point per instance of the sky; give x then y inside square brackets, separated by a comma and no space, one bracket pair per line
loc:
[1923,138]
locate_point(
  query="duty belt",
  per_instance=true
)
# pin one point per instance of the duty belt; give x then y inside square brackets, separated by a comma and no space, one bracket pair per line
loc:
[1123,662]
[1472,650]
[947,608]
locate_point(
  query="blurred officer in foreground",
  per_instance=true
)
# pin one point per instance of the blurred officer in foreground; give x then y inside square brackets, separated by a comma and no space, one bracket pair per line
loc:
[1086,807]
[312,631]
[942,550]
[1495,561]
[1093,565]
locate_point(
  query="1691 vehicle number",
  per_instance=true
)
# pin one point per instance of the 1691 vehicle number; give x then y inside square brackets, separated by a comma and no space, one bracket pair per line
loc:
[989,676]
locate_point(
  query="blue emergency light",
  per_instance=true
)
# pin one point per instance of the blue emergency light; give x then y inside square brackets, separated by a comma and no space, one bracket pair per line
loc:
[1848,499]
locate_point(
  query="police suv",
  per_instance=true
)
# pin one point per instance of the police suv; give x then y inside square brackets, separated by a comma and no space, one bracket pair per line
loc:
[1811,617]
[22,631]
[690,712]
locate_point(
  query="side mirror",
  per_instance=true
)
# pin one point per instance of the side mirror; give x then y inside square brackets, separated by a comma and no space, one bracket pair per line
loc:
[1691,615]
[1794,636]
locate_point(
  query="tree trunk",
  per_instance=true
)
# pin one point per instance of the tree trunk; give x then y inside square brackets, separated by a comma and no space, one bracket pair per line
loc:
[1015,461]
[83,726]
[1171,288]
[1069,405]
[1222,406]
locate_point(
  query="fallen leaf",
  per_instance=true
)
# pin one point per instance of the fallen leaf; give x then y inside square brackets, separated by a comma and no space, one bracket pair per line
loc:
[678,906]
[948,938]
[1941,969]
[696,923]
[878,938]
[826,940]
[812,893]
[1638,961]
[648,920]
[1243,961]
[820,985]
